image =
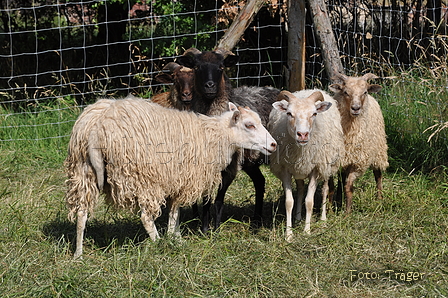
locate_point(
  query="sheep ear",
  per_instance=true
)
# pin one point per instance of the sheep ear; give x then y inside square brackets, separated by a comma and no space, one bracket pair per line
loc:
[231,60]
[232,107]
[374,88]
[323,106]
[336,88]
[281,105]
[236,117]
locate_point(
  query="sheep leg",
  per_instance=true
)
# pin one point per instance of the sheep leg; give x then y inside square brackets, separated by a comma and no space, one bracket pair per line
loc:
[195,210]
[309,200]
[206,214]
[227,177]
[330,191]
[80,228]
[300,194]
[325,191]
[254,172]
[289,204]
[173,220]
[340,189]
[150,227]
[351,177]
[379,182]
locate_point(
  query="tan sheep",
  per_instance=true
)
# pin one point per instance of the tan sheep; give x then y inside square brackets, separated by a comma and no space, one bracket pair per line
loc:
[139,153]
[364,132]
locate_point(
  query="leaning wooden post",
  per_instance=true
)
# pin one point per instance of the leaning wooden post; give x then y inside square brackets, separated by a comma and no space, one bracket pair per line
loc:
[296,45]
[328,45]
[239,25]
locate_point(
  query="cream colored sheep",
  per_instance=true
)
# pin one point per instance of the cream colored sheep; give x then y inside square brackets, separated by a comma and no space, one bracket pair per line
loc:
[364,132]
[307,128]
[139,153]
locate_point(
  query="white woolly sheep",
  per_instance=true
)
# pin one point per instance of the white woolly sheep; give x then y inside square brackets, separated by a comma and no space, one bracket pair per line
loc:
[307,127]
[128,149]
[364,133]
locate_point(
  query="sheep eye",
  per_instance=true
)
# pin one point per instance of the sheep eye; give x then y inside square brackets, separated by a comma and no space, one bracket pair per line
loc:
[289,114]
[250,126]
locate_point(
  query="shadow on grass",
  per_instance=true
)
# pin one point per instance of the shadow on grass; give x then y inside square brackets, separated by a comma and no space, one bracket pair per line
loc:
[273,212]
[118,231]
[99,233]
[102,233]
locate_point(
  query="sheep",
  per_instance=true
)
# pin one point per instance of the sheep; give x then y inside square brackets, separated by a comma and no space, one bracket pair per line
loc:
[128,150]
[181,92]
[212,92]
[213,89]
[259,99]
[364,132]
[307,128]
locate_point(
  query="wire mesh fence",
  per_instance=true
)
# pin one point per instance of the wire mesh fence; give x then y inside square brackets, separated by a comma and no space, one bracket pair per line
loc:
[57,56]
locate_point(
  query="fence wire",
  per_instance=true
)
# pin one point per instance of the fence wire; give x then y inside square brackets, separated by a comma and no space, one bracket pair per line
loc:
[57,56]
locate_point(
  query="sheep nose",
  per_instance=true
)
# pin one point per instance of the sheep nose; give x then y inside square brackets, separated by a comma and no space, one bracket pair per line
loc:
[186,93]
[210,84]
[274,146]
[302,136]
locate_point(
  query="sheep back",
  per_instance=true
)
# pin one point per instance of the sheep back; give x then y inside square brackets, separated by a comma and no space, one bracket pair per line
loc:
[146,160]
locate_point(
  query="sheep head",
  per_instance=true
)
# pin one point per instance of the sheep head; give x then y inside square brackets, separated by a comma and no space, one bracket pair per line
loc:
[352,92]
[252,134]
[182,78]
[208,68]
[301,113]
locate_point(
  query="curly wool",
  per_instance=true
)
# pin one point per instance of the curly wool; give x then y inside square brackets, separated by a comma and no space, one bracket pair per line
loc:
[145,159]
[324,150]
[364,136]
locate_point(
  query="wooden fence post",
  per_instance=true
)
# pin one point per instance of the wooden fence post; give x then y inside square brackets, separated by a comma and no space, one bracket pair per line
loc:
[328,45]
[296,45]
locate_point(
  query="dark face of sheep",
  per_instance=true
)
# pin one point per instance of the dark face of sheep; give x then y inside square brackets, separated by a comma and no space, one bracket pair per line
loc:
[353,92]
[182,78]
[301,113]
[208,69]
[184,83]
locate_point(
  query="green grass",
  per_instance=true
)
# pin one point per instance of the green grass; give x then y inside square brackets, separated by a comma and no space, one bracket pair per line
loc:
[405,232]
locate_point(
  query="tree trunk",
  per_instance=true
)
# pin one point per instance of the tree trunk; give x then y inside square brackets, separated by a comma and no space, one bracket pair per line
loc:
[296,45]
[325,36]
[239,25]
